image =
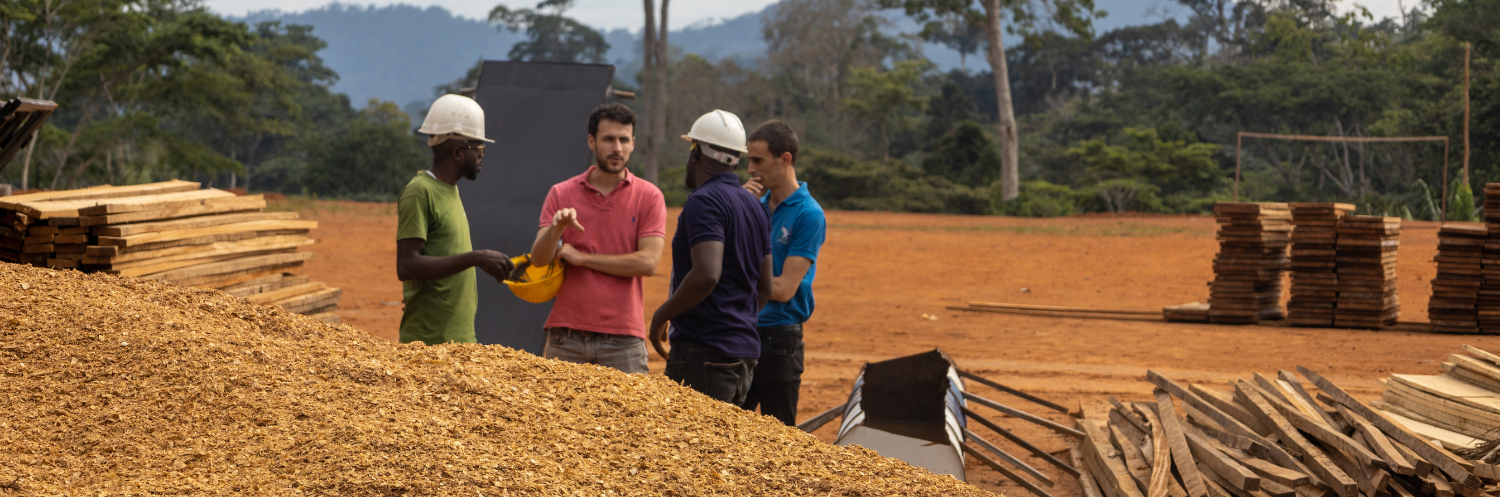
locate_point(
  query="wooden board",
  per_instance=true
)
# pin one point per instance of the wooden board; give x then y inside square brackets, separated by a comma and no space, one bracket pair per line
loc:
[1448,438]
[225,280]
[1397,431]
[1447,387]
[152,202]
[192,233]
[198,240]
[213,250]
[15,202]
[231,266]
[210,206]
[77,208]
[147,268]
[1182,455]
[309,301]
[192,222]
[286,292]
[113,256]
[1326,471]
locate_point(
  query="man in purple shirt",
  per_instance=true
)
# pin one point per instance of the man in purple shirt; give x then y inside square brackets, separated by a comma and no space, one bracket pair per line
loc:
[721,269]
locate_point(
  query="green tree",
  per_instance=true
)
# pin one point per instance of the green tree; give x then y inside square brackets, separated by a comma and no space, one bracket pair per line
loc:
[886,99]
[551,36]
[372,158]
[965,156]
[1074,15]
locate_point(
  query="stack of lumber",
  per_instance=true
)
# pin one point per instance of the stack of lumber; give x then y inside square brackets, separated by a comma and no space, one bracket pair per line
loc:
[1314,262]
[1489,290]
[1276,437]
[1460,274]
[1367,272]
[1253,240]
[172,231]
[1458,407]
[1191,312]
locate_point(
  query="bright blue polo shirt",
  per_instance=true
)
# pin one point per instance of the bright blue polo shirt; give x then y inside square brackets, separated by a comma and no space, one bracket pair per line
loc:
[797,228]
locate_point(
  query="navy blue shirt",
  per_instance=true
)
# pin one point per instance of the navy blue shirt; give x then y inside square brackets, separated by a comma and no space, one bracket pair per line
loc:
[797,228]
[720,210]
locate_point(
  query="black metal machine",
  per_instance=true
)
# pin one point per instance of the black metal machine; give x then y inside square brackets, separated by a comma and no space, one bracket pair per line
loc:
[916,408]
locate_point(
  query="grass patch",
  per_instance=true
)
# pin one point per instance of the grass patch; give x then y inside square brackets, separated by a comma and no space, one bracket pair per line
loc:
[1117,229]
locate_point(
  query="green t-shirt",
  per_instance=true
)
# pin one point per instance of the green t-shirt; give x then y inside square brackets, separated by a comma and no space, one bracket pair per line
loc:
[437,311]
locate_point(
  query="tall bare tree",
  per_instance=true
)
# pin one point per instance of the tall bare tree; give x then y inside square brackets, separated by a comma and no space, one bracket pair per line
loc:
[1074,15]
[655,60]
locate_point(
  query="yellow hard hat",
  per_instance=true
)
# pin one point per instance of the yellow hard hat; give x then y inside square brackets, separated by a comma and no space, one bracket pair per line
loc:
[535,284]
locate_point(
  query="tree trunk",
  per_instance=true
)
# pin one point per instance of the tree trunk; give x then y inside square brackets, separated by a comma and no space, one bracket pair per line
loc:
[663,60]
[1010,186]
[650,155]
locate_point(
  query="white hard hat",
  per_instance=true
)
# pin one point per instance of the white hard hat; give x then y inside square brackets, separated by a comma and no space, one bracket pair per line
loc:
[719,128]
[454,116]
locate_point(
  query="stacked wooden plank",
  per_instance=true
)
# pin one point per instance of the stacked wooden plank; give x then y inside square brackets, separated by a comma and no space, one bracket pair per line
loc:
[172,231]
[1268,436]
[1314,266]
[1460,274]
[1459,407]
[1367,272]
[1489,290]
[1253,240]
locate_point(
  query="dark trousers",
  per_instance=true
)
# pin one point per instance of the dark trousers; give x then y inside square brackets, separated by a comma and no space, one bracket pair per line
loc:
[778,375]
[701,368]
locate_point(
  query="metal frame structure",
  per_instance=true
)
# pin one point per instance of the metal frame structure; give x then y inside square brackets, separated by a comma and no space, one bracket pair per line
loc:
[1239,140]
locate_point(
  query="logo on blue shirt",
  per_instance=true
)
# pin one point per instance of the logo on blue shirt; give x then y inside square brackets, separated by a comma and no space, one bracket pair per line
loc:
[786,236]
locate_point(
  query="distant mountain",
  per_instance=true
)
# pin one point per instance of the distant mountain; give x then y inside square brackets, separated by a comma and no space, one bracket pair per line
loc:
[400,52]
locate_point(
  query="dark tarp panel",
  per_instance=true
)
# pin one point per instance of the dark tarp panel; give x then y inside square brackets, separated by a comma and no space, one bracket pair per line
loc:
[538,115]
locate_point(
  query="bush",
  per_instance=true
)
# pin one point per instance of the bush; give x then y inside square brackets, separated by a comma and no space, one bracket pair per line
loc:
[841,182]
[1040,199]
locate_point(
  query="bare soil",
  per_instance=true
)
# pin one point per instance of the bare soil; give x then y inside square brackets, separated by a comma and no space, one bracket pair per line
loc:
[880,272]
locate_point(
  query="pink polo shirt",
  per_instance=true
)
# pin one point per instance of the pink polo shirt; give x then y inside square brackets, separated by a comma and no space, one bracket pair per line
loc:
[591,300]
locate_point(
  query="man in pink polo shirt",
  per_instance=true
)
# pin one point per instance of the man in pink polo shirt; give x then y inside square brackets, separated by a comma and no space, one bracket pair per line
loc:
[599,314]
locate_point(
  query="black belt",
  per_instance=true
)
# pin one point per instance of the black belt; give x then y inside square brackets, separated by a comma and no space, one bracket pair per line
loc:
[785,329]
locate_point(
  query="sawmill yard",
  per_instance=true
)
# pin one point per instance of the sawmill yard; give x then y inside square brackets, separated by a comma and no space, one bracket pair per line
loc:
[880,273]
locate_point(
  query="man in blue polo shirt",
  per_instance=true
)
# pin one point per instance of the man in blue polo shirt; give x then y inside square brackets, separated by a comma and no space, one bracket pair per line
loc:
[721,269]
[797,233]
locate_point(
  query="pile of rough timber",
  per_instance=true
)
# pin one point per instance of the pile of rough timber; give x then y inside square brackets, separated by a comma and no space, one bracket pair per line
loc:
[1267,437]
[1314,286]
[119,386]
[1367,272]
[1460,274]
[1253,240]
[173,231]
[1489,290]
[1458,408]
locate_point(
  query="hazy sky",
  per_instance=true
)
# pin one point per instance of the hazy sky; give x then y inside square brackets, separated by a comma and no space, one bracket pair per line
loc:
[611,14]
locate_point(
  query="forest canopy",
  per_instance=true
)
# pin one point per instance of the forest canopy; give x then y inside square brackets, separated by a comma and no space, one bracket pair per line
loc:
[1142,118]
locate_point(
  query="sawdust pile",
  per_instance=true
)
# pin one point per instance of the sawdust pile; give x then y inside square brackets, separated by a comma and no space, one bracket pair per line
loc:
[121,386]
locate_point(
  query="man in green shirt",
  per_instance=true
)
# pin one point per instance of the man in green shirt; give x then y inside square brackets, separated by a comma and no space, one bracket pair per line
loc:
[434,258]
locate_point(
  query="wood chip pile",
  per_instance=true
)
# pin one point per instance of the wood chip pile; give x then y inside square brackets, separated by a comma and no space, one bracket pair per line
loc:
[1277,437]
[1460,273]
[1253,240]
[1367,272]
[172,231]
[1314,263]
[1459,407]
[124,386]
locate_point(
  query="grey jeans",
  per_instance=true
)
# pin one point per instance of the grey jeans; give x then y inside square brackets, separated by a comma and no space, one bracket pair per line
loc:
[623,352]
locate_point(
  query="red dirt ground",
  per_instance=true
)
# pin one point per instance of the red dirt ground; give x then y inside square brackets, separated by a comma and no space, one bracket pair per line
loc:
[879,272]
